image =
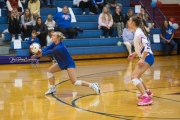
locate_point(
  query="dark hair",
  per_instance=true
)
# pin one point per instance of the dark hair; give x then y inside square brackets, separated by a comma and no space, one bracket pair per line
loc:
[33,1]
[144,22]
[51,30]
[163,28]
[143,8]
[136,20]
[34,31]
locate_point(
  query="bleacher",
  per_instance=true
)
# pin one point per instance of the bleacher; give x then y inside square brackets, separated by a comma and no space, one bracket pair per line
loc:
[87,44]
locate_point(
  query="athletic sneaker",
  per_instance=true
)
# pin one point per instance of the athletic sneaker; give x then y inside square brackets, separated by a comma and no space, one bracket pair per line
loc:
[145,101]
[51,91]
[95,87]
[150,94]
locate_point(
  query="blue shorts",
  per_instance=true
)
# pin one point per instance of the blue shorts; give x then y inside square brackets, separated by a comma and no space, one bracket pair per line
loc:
[150,59]
[70,65]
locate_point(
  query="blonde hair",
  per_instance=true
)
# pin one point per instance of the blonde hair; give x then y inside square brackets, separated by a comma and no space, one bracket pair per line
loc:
[67,8]
[49,18]
[130,10]
[60,35]
[17,14]
[108,13]
[27,18]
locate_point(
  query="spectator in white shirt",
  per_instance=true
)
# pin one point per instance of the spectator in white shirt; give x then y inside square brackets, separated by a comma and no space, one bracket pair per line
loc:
[50,22]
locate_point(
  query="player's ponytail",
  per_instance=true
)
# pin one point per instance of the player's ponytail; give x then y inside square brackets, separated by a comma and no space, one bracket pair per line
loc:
[60,35]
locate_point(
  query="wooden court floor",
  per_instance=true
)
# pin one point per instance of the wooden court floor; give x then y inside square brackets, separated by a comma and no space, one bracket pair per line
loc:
[22,91]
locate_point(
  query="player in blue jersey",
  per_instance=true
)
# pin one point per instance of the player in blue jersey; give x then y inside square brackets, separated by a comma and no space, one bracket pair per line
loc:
[143,50]
[64,62]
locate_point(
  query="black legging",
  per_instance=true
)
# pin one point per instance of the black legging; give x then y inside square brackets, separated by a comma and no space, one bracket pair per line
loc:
[14,29]
[28,31]
[42,39]
[105,30]
[70,31]
[83,5]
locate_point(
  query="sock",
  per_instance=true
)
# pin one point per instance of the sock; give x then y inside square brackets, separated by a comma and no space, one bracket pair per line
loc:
[145,95]
[52,86]
[90,85]
[147,90]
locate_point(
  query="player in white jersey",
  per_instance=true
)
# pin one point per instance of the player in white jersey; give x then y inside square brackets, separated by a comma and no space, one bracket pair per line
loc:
[143,50]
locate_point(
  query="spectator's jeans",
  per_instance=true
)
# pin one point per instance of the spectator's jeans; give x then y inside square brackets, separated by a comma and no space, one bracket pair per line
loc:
[70,31]
[50,2]
[171,46]
[119,26]
[106,30]
[1,5]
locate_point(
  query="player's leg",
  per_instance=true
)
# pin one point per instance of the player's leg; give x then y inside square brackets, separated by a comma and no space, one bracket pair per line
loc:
[138,71]
[54,68]
[73,78]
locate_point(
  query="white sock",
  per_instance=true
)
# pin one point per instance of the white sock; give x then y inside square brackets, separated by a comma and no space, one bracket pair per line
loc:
[147,90]
[90,85]
[145,95]
[52,86]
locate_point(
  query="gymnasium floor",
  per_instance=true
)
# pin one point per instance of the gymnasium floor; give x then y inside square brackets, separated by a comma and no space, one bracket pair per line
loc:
[23,87]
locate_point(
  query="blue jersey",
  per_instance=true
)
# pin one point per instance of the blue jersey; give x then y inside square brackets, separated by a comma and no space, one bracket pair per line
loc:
[169,32]
[36,40]
[61,55]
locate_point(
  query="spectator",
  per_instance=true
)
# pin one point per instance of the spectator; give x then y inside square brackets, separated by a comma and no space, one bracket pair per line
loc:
[105,22]
[35,16]
[27,23]
[50,22]
[97,4]
[42,31]
[14,4]
[84,4]
[167,34]
[128,37]
[145,27]
[129,14]
[49,40]
[1,4]
[143,14]
[33,38]
[118,19]
[34,6]
[50,3]
[14,24]
[63,20]
[113,4]
[20,12]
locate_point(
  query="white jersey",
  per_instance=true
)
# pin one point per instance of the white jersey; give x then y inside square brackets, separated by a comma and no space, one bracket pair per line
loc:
[141,43]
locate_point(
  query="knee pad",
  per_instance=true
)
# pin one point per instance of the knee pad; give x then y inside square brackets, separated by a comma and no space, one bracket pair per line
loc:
[135,81]
[78,83]
[140,80]
[49,75]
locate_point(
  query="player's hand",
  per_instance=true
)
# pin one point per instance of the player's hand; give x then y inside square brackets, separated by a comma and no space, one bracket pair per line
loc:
[141,62]
[130,57]
[39,53]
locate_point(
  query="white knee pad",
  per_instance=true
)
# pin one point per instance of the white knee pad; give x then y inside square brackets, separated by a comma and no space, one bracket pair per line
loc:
[78,83]
[49,75]
[135,81]
[140,80]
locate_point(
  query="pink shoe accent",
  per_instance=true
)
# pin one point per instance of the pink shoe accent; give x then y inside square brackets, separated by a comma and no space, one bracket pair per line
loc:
[145,101]
[150,94]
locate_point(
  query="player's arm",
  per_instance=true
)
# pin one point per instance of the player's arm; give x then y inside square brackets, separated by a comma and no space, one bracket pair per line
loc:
[48,47]
[51,51]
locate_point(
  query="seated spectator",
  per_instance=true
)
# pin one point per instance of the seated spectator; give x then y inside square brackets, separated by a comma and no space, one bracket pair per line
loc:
[27,23]
[35,16]
[63,20]
[33,38]
[34,6]
[50,22]
[20,12]
[50,3]
[128,37]
[42,31]
[14,24]
[97,4]
[84,4]
[143,14]
[1,4]
[145,27]
[113,4]
[14,4]
[129,14]
[49,40]
[105,22]
[167,34]
[118,19]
